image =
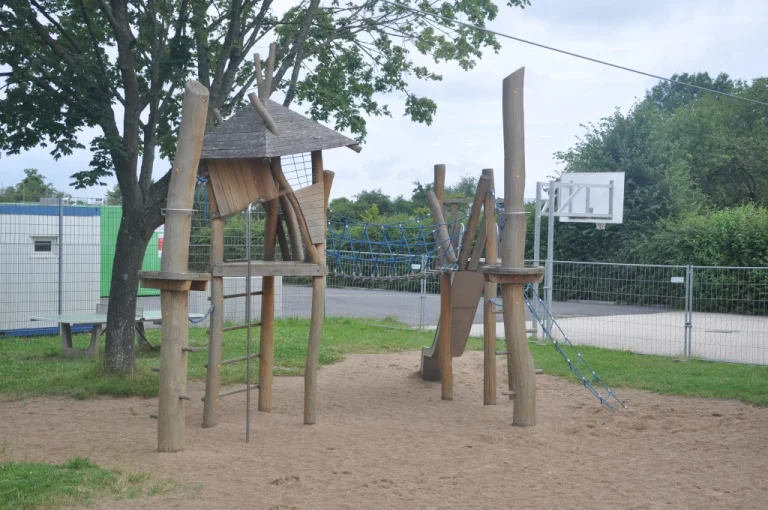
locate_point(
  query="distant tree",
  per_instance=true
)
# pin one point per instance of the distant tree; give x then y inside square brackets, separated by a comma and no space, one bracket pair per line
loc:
[31,188]
[466,187]
[114,196]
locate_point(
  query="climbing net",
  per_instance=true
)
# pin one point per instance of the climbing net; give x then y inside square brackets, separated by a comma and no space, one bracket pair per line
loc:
[362,250]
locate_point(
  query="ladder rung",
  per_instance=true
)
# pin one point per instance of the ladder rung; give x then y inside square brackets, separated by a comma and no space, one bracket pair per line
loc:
[232,392]
[501,353]
[184,397]
[194,349]
[153,415]
[509,393]
[155,369]
[242,326]
[242,294]
[539,371]
[530,330]
[235,360]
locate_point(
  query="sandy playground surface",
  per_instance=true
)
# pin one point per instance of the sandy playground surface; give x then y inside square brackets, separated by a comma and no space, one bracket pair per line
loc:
[384,439]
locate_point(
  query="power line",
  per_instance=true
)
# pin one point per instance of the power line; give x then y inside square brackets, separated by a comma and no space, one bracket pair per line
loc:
[571,54]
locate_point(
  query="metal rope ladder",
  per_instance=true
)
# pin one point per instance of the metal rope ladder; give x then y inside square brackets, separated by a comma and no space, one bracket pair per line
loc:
[568,351]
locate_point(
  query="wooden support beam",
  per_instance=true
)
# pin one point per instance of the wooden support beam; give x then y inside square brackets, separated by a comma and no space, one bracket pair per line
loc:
[267,333]
[259,75]
[270,70]
[477,250]
[474,218]
[217,115]
[291,223]
[444,248]
[263,113]
[213,375]
[355,147]
[282,240]
[439,183]
[519,360]
[239,295]
[278,175]
[489,321]
[444,340]
[175,305]
[317,313]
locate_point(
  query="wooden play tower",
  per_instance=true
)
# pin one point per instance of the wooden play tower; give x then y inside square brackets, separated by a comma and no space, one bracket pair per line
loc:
[241,160]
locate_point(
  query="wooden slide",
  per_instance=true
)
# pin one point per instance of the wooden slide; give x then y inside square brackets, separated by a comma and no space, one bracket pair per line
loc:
[466,290]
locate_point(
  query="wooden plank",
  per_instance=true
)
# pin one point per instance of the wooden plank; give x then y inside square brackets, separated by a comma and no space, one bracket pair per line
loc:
[213,205]
[474,218]
[312,203]
[245,174]
[171,275]
[237,185]
[219,194]
[219,172]
[256,176]
[444,347]
[213,375]
[282,240]
[314,255]
[477,250]
[175,305]
[270,268]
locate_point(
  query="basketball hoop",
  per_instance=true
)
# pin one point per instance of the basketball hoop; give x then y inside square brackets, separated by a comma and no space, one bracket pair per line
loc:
[600,226]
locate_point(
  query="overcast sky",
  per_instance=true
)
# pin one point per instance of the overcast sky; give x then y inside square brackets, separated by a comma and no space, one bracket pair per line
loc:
[662,37]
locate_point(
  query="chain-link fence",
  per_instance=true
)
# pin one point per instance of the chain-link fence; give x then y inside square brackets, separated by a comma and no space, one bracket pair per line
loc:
[56,258]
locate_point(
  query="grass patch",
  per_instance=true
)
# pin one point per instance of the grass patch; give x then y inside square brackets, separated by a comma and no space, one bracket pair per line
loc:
[664,375]
[34,366]
[78,481]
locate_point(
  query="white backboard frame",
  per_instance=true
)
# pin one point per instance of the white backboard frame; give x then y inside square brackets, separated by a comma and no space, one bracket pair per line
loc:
[576,189]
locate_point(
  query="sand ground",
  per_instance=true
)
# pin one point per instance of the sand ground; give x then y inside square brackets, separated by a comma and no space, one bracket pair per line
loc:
[384,439]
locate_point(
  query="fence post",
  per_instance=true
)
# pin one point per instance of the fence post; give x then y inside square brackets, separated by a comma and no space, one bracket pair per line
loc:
[689,311]
[61,255]
[422,309]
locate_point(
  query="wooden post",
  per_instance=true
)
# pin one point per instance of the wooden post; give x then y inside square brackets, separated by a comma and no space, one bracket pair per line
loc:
[267,333]
[213,376]
[285,251]
[318,308]
[489,318]
[438,186]
[444,248]
[444,340]
[474,218]
[521,367]
[175,305]
[279,177]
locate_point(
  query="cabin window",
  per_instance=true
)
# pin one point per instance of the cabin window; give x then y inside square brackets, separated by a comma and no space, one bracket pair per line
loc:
[44,246]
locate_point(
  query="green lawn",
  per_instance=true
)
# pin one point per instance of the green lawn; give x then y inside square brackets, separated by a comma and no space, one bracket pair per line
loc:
[78,481]
[34,366]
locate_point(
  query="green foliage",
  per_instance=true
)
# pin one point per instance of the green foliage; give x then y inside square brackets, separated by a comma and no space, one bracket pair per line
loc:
[114,196]
[685,153]
[78,481]
[31,188]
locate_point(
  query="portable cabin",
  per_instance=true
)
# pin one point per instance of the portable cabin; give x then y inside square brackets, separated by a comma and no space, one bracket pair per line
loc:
[35,272]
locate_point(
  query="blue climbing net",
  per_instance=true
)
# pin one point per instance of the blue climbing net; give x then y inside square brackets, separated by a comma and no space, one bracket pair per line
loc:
[362,250]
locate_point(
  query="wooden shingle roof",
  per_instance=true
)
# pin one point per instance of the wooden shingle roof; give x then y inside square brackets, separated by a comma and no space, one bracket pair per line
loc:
[245,135]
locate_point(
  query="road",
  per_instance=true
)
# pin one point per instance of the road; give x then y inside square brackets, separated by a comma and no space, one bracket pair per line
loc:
[405,306]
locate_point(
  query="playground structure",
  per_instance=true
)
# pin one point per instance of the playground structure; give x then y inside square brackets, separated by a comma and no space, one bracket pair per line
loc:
[241,161]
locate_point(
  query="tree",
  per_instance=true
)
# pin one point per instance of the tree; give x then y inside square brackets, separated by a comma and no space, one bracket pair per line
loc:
[30,189]
[120,65]
[114,196]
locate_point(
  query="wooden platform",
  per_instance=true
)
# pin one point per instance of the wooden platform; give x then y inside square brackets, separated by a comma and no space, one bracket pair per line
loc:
[269,268]
[166,280]
[514,275]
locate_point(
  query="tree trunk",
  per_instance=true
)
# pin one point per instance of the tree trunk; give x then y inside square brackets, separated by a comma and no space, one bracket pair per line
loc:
[132,240]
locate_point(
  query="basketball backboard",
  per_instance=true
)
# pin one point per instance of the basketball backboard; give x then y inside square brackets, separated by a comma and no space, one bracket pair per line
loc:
[591,197]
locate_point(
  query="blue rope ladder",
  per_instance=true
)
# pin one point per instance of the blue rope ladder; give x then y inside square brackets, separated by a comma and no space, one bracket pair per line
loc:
[568,351]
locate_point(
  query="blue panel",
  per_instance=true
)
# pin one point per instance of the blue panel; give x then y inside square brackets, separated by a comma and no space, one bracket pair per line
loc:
[80,328]
[48,210]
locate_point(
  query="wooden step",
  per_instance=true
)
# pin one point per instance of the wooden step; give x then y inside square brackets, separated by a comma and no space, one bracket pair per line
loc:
[235,360]
[233,392]
[269,268]
[242,326]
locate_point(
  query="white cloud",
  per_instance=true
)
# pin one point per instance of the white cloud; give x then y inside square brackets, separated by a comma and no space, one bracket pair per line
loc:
[657,36]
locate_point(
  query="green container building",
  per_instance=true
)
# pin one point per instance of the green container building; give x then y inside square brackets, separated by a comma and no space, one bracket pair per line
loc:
[110,223]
